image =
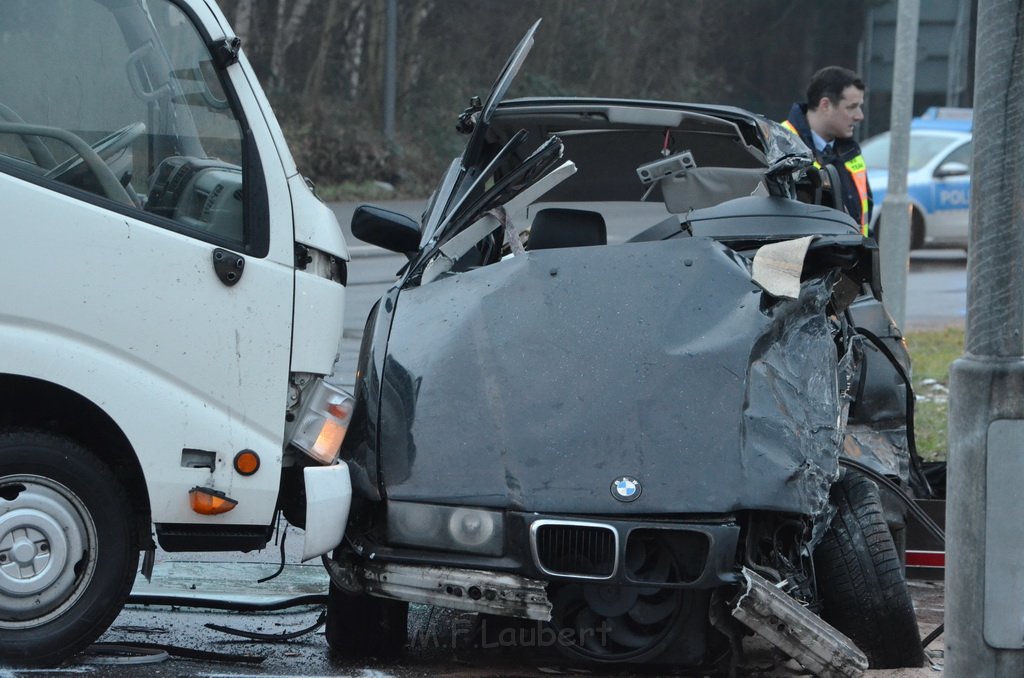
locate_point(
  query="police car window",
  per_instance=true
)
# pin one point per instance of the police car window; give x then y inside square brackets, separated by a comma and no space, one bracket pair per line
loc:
[923,148]
[962,155]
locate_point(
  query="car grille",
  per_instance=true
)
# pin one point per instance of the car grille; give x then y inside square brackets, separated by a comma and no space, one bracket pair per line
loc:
[666,556]
[586,550]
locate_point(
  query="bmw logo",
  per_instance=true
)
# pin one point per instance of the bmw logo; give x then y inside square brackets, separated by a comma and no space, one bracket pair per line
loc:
[626,488]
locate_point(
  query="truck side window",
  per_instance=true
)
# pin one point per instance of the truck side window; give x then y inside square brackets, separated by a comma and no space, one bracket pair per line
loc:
[123,105]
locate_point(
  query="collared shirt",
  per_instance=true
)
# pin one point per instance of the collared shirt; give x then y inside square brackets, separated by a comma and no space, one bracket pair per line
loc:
[819,142]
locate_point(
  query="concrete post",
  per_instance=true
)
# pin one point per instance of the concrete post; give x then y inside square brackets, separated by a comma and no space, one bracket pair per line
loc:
[894,238]
[985,539]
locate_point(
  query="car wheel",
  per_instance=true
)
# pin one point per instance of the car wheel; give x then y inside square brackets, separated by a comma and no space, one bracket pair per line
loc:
[916,230]
[68,548]
[861,580]
[361,626]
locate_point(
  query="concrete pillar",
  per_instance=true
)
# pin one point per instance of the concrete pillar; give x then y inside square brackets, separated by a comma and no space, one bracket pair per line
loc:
[984,515]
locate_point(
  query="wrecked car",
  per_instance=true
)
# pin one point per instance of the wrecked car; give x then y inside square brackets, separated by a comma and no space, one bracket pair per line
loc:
[618,391]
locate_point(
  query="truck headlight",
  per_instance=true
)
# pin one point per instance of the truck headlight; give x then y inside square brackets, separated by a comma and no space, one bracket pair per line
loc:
[448,528]
[322,422]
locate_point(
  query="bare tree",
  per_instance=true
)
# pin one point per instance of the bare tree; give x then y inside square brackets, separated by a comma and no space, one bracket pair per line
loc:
[323,62]
[289,31]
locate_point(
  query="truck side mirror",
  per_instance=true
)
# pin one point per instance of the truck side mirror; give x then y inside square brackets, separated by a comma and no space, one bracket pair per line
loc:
[952,169]
[393,231]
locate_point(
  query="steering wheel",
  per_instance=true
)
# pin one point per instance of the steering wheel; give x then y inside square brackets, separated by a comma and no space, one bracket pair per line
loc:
[91,162]
[40,153]
[106,148]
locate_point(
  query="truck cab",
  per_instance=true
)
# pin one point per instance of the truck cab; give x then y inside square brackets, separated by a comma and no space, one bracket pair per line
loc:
[173,295]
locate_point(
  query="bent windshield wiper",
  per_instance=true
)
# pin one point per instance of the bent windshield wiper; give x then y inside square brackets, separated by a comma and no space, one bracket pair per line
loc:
[516,181]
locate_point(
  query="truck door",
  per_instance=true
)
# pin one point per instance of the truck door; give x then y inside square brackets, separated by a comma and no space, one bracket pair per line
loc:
[140,267]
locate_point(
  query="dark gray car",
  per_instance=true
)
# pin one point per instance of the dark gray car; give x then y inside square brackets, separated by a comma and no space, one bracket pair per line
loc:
[629,439]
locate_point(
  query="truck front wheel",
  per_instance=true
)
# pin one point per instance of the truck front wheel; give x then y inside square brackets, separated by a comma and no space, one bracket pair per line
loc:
[68,550]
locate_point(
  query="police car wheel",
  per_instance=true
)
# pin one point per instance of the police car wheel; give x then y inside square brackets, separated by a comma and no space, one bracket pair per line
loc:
[916,231]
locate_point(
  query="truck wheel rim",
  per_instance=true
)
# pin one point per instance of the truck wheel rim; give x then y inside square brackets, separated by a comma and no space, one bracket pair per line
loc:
[47,550]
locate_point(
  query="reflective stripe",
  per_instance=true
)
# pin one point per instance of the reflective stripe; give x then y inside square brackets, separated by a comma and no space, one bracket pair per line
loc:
[859,171]
[926,558]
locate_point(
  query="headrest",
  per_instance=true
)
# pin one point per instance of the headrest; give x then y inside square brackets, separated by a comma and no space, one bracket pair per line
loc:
[559,227]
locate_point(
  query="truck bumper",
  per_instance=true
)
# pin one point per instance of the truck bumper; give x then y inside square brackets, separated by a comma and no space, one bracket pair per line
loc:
[328,499]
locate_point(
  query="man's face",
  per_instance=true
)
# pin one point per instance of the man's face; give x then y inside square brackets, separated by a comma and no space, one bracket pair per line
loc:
[838,120]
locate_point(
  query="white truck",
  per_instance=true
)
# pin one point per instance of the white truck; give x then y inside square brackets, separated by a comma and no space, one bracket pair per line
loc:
[172,303]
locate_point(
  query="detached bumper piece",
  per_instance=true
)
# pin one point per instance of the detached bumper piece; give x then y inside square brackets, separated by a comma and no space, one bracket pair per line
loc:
[328,500]
[470,590]
[795,630]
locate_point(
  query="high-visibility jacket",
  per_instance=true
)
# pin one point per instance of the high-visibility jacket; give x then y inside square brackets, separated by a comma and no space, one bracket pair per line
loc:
[853,171]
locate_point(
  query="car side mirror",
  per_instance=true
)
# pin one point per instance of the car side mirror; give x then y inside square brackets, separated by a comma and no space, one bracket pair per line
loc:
[952,169]
[393,231]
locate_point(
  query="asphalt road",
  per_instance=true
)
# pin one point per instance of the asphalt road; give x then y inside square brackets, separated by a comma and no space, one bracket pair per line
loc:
[936,297]
[440,640]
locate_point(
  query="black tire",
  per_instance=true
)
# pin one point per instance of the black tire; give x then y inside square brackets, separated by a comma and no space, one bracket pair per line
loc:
[68,543]
[861,581]
[916,230]
[360,626]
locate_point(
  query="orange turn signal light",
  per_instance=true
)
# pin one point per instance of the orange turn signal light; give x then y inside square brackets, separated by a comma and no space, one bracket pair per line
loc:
[210,502]
[247,462]
[342,410]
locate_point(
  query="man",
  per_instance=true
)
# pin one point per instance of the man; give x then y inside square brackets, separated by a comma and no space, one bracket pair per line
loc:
[835,104]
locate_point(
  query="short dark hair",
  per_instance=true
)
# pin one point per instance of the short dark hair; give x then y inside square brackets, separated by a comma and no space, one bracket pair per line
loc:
[830,82]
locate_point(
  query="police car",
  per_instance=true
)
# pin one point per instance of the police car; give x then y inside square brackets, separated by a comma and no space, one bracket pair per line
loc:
[939,178]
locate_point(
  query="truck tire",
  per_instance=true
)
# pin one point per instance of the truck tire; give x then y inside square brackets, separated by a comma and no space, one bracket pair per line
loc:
[861,580]
[360,626]
[68,549]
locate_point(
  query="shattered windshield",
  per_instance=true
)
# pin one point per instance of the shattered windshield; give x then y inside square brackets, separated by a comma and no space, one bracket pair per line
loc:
[663,158]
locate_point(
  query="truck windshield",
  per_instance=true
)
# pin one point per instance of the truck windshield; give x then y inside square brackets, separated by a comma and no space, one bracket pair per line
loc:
[120,99]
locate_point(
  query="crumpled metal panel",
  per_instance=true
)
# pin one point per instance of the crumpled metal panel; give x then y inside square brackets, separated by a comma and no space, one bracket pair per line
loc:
[877,431]
[883,450]
[534,383]
[782,147]
[795,630]
[794,411]
[480,591]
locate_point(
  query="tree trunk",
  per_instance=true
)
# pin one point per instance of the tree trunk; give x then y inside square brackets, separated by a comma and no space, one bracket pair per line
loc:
[288,32]
[312,92]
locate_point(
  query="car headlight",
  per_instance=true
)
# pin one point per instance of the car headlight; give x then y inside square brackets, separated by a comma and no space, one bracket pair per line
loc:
[448,528]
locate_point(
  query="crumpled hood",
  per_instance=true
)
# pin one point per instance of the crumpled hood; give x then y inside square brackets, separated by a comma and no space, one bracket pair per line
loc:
[534,383]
